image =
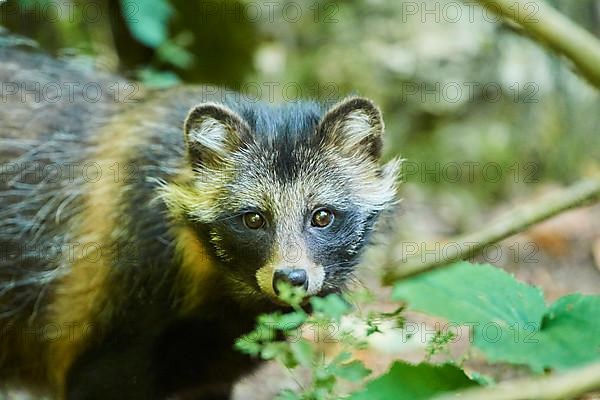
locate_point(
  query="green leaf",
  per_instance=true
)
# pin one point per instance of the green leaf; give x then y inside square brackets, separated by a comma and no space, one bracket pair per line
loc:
[353,371]
[248,346]
[570,333]
[147,20]
[289,321]
[288,394]
[303,352]
[324,379]
[341,357]
[155,79]
[509,319]
[333,306]
[414,382]
[273,349]
[171,53]
[466,293]
[292,295]
[371,329]
[173,50]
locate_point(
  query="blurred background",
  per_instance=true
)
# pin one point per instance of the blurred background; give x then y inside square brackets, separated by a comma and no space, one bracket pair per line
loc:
[485,118]
[480,112]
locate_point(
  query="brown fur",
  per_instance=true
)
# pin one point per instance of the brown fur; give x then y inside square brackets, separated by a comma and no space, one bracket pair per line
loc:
[196,284]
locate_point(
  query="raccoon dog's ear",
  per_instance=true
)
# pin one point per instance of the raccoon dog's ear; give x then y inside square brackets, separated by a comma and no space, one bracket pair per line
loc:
[355,126]
[212,131]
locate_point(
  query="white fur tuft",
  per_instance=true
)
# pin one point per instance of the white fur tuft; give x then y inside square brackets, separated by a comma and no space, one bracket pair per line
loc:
[210,134]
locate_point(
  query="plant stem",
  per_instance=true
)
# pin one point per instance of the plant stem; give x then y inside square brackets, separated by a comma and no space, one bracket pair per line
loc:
[467,246]
[554,387]
[556,31]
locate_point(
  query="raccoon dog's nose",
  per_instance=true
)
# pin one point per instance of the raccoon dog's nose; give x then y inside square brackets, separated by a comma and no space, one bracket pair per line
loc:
[295,277]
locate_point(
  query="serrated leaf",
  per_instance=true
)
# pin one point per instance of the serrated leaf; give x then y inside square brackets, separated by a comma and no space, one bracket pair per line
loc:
[269,320]
[341,357]
[324,380]
[290,320]
[466,293]
[414,382]
[570,333]
[353,371]
[272,350]
[303,352]
[372,329]
[247,346]
[292,295]
[510,320]
[333,306]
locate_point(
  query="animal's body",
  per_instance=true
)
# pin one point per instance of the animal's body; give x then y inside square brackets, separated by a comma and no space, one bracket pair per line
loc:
[139,239]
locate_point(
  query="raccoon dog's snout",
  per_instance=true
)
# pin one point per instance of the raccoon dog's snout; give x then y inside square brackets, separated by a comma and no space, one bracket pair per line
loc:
[286,193]
[294,276]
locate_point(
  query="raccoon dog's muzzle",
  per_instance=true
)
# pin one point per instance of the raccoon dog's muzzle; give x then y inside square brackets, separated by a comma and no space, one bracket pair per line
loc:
[295,269]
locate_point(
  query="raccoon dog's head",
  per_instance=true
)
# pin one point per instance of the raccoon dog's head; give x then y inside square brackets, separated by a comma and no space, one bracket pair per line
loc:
[287,193]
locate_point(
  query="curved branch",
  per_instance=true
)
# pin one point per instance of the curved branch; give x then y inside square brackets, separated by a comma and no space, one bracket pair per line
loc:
[467,246]
[555,30]
[554,387]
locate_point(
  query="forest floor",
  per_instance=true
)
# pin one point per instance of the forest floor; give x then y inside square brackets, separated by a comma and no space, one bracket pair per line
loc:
[561,256]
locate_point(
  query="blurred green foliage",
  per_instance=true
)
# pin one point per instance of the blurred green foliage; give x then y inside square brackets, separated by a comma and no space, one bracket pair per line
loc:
[480,112]
[523,330]
[148,20]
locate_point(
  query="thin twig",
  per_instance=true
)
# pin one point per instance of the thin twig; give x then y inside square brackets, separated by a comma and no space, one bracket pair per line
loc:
[552,28]
[554,387]
[464,247]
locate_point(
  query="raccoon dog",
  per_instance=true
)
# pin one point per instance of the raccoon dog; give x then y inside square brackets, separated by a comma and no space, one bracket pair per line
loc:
[139,239]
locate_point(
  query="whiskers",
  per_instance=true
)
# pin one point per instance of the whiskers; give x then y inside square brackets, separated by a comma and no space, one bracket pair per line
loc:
[340,276]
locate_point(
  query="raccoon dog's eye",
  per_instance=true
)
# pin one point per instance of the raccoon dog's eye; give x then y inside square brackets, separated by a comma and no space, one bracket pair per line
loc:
[322,218]
[253,220]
